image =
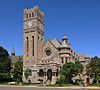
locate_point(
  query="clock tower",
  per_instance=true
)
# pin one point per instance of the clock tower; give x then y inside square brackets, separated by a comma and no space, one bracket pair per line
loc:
[33,37]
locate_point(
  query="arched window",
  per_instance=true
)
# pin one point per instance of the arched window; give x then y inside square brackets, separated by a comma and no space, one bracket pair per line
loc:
[62,60]
[27,45]
[32,14]
[49,74]
[41,73]
[33,45]
[57,72]
[66,60]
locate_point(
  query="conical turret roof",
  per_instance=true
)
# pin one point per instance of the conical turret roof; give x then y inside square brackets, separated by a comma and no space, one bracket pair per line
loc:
[65,42]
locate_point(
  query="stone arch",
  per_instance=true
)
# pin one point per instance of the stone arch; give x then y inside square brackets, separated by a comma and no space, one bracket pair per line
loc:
[49,74]
[41,73]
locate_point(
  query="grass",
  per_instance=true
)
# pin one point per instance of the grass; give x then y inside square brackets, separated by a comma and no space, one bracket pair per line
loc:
[51,85]
[61,85]
[4,83]
[7,83]
[96,84]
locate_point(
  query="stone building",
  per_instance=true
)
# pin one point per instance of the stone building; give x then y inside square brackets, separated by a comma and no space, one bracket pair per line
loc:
[44,60]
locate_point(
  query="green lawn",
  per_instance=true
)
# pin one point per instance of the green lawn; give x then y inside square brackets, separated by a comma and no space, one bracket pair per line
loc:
[61,85]
[96,84]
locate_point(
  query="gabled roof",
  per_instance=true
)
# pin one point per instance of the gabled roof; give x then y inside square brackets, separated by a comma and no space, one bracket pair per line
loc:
[56,43]
[50,43]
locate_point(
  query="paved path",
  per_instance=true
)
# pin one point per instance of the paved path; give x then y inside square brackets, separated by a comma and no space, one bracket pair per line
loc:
[46,88]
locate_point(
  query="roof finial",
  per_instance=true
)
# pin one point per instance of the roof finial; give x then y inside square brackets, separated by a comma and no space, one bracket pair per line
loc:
[36,7]
[65,37]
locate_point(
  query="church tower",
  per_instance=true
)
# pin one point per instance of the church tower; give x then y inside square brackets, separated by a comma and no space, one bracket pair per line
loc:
[33,37]
[33,34]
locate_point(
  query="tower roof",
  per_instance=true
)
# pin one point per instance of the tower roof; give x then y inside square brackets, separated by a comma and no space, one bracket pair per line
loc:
[65,37]
[65,42]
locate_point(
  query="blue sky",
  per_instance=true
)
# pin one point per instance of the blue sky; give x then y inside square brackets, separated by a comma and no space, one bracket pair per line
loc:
[79,19]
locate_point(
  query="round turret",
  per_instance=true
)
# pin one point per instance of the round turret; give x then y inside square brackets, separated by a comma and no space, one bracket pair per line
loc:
[65,50]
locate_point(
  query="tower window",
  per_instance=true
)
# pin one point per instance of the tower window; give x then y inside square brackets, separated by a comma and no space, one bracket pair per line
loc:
[26,15]
[30,15]
[33,45]
[27,45]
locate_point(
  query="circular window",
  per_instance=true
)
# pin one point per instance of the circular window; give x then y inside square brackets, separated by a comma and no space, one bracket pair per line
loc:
[48,52]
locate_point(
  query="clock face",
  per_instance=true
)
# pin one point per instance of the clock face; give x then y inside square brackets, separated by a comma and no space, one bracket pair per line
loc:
[30,24]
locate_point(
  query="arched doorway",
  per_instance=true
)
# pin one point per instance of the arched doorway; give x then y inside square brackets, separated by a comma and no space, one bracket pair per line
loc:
[88,81]
[41,73]
[49,74]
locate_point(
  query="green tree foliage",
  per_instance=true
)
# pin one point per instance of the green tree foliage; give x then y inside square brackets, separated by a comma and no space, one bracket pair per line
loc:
[69,70]
[17,70]
[27,73]
[5,65]
[79,67]
[93,69]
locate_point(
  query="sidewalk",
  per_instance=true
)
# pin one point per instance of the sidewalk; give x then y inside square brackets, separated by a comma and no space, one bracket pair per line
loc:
[69,87]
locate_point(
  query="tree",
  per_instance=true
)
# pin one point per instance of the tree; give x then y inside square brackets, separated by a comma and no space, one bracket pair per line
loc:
[79,67]
[69,70]
[17,70]
[93,69]
[27,73]
[5,65]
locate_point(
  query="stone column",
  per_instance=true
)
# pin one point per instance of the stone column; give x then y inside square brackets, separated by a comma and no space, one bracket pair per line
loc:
[45,75]
[64,59]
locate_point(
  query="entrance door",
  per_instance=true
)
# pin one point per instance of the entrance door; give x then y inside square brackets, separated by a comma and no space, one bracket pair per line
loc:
[49,74]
